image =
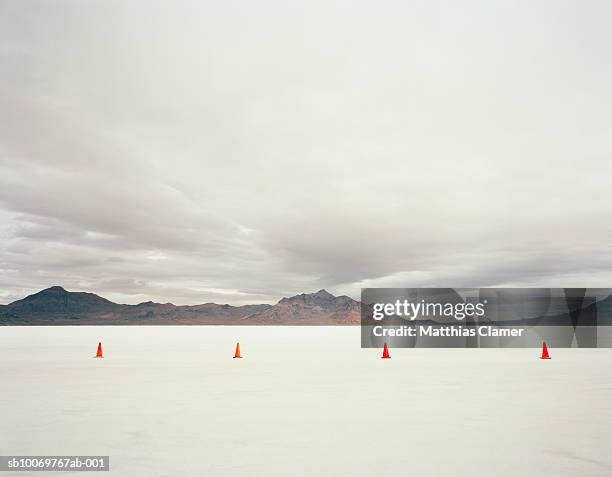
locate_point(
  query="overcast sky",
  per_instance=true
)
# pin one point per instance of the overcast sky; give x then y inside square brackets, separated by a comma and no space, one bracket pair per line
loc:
[239,152]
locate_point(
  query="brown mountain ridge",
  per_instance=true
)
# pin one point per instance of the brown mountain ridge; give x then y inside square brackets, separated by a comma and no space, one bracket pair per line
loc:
[57,306]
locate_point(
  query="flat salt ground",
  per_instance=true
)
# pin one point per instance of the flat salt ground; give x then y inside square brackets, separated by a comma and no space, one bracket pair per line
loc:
[170,401]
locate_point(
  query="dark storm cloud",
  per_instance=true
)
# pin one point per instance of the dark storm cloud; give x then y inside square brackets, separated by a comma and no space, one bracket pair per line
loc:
[239,153]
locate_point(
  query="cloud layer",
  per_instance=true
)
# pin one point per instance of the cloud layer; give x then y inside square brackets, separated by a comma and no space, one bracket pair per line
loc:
[240,152]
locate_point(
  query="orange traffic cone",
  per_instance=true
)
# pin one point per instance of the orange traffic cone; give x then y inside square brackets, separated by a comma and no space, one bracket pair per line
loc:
[544,351]
[99,352]
[237,353]
[386,352]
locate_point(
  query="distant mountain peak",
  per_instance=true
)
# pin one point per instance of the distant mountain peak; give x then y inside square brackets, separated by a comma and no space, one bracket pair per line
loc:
[56,299]
[322,297]
[55,288]
[320,307]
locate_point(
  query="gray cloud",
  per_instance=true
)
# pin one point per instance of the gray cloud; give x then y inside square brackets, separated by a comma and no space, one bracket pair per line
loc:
[241,152]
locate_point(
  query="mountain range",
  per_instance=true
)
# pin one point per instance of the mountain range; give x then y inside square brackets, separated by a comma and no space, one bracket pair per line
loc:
[57,306]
